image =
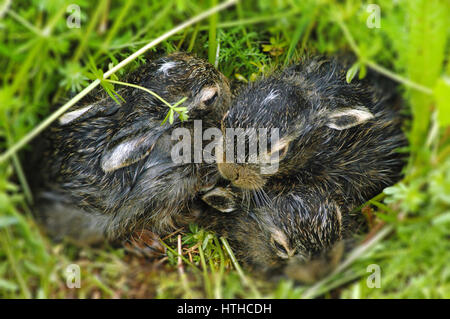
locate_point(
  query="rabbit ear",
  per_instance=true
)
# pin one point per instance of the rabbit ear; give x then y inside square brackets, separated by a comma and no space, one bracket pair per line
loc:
[96,109]
[346,117]
[69,117]
[208,95]
[221,199]
[129,145]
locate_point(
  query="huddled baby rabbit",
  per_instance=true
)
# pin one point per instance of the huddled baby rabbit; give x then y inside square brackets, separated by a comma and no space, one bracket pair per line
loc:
[337,148]
[106,169]
[266,237]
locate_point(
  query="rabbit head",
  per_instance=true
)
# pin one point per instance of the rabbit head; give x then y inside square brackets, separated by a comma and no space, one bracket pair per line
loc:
[267,238]
[298,110]
[139,119]
[181,75]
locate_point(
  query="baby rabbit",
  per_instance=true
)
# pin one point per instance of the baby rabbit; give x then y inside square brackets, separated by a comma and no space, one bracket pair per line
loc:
[107,168]
[337,148]
[266,237]
[337,138]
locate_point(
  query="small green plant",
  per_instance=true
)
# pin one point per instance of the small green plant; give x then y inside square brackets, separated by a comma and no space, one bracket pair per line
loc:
[175,108]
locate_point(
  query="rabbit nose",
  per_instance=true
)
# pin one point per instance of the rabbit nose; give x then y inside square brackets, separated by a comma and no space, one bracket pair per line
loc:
[228,171]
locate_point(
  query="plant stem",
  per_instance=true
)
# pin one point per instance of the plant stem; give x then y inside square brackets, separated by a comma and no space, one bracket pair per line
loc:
[353,256]
[218,286]
[398,78]
[181,256]
[256,20]
[141,88]
[24,22]
[236,265]
[205,272]
[377,67]
[212,43]
[181,269]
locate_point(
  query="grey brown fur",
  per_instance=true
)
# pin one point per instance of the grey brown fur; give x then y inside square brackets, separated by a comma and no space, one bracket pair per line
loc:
[108,171]
[338,149]
[342,150]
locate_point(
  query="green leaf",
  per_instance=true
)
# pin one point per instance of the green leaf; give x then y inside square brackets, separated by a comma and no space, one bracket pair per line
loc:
[113,76]
[428,25]
[352,72]
[442,219]
[8,285]
[442,95]
[167,116]
[7,221]
[97,73]
[183,115]
[301,26]
[240,77]
[362,71]
[109,91]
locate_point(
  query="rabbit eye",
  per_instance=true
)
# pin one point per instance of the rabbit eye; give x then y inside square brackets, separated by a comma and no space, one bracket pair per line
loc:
[282,250]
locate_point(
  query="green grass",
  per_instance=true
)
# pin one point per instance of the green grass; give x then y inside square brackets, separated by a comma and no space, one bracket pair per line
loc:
[44,63]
